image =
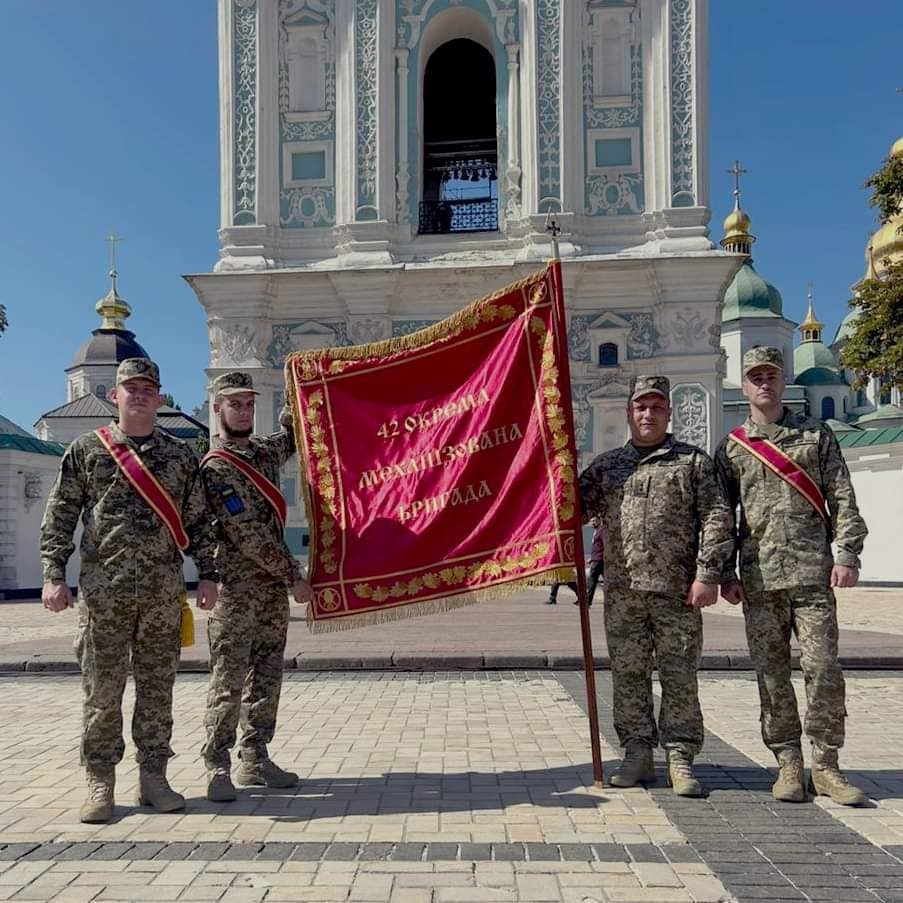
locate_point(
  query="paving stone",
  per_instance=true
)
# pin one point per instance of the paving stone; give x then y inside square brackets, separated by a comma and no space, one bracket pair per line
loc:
[543,852]
[277,852]
[675,852]
[441,851]
[475,852]
[143,850]
[408,852]
[611,852]
[108,851]
[370,852]
[645,853]
[176,851]
[508,852]
[76,851]
[209,850]
[13,851]
[576,852]
[45,851]
[308,852]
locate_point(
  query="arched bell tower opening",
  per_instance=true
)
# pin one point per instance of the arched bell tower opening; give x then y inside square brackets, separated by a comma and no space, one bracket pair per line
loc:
[460,144]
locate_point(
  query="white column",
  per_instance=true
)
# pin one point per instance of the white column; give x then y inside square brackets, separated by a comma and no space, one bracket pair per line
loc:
[403,176]
[226,127]
[346,128]
[268,115]
[529,163]
[513,171]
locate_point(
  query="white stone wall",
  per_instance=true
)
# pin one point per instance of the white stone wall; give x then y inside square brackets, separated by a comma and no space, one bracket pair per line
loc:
[877,473]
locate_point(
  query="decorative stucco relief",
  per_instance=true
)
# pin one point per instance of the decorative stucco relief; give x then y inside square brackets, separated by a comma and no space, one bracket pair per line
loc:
[304,336]
[366,33]
[690,414]
[244,111]
[682,151]
[548,91]
[642,341]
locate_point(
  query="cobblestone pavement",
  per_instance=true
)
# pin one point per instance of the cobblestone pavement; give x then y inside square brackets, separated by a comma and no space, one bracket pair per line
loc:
[434,787]
[517,631]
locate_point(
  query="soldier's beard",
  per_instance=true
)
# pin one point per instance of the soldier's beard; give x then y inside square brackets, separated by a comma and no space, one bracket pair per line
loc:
[232,433]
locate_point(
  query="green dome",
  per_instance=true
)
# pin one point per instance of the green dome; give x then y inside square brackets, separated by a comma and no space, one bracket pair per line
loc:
[813,354]
[818,376]
[845,330]
[749,295]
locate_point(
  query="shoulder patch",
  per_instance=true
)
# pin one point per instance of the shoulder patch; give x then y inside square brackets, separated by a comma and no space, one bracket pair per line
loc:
[231,499]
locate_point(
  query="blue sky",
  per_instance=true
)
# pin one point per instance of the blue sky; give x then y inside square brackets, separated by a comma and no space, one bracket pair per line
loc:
[110,122]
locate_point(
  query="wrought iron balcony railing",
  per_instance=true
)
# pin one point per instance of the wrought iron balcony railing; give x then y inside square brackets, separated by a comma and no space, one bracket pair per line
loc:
[459,215]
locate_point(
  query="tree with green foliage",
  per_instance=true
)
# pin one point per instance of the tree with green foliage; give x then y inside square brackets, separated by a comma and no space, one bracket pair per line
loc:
[170,401]
[875,347]
[3,321]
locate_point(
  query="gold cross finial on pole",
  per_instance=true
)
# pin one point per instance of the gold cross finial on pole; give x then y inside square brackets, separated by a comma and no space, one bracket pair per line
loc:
[554,229]
[736,172]
[113,239]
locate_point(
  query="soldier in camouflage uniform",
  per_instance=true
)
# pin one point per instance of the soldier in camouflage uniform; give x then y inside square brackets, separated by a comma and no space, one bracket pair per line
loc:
[130,586]
[667,536]
[247,629]
[787,575]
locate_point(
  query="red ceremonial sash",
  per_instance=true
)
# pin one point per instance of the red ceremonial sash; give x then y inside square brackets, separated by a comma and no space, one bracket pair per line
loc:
[785,467]
[145,484]
[268,490]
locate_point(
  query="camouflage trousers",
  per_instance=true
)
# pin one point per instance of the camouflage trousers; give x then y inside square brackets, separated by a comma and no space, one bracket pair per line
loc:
[810,613]
[113,629]
[638,625]
[247,632]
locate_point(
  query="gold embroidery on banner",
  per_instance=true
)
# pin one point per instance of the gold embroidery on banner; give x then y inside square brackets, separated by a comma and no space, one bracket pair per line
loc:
[455,576]
[323,481]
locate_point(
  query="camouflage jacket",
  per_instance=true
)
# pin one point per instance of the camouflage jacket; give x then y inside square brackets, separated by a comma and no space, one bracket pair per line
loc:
[782,540]
[664,519]
[251,543]
[125,546]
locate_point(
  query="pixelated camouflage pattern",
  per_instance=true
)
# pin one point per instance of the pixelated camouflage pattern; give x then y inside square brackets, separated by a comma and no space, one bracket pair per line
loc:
[247,632]
[113,631]
[638,624]
[137,368]
[762,356]
[251,542]
[233,383]
[810,613]
[126,548]
[782,540]
[643,385]
[664,519]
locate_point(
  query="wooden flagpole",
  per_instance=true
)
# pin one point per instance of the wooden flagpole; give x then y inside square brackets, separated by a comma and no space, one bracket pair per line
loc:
[560,321]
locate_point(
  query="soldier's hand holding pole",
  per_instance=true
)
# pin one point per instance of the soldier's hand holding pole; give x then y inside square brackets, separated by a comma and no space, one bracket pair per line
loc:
[302,591]
[207,592]
[732,591]
[56,596]
[701,595]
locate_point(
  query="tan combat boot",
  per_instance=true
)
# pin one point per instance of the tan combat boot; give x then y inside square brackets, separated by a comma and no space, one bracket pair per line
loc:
[826,779]
[264,773]
[98,807]
[680,774]
[636,767]
[789,787]
[154,790]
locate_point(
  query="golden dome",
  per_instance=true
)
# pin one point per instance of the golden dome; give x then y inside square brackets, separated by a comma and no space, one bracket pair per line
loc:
[897,149]
[737,236]
[113,309]
[887,243]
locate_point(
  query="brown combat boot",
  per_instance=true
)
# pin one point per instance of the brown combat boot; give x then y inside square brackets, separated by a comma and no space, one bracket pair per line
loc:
[636,767]
[826,779]
[789,787]
[680,774]
[154,790]
[264,773]
[220,788]
[98,807]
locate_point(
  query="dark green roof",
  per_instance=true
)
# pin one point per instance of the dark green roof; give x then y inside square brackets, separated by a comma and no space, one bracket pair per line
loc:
[30,444]
[749,295]
[818,376]
[864,438]
[883,412]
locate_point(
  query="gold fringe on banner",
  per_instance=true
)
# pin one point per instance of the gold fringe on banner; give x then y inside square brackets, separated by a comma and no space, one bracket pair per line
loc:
[436,606]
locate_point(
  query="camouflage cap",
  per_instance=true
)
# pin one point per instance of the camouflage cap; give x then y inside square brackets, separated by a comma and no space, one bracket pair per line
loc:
[138,368]
[233,383]
[762,356]
[646,385]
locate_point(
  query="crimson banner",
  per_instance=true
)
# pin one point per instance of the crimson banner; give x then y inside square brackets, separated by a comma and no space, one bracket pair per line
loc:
[439,466]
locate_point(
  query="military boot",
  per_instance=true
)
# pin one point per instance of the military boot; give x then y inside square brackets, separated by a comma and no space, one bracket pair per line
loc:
[98,807]
[826,779]
[220,788]
[680,774]
[154,790]
[636,767]
[264,772]
[789,788]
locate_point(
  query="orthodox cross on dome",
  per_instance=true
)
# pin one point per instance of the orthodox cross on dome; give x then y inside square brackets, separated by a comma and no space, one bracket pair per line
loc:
[113,309]
[811,328]
[113,240]
[736,172]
